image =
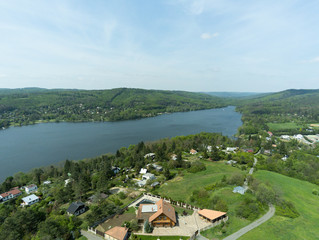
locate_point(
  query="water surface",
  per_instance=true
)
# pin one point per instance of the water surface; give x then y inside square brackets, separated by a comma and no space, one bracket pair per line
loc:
[27,147]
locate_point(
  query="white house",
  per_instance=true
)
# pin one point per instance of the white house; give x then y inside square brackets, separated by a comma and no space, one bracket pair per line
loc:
[285,137]
[150,155]
[298,137]
[141,183]
[143,171]
[148,176]
[13,193]
[67,181]
[231,149]
[29,200]
[47,182]
[31,188]
[209,148]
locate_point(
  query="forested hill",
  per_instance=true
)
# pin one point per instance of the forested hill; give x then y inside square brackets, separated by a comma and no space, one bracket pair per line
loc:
[26,106]
[287,106]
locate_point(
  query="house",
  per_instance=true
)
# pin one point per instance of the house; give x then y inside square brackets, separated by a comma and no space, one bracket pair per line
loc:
[148,176]
[116,233]
[158,168]
[161,214]
[29,200]
[298,137]
[47,182]
[13,193]
[174,157]
[31,188]
[270,134]
[141,183]
[239,190]
[212,216]
[116,170]
[76,208]
[143,171]
[154,184]
[231,149]
[150,155]
[267,152]
[67,181]
[285,137]
[209,148]
[230,162]
[192,151]
[284,158]
[248,150]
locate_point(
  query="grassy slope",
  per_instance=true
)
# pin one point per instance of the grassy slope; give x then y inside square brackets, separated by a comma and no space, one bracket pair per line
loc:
[306,226]
[181,188]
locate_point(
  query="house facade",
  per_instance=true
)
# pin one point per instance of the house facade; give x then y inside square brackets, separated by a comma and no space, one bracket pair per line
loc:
[13,193]
[76,208]
[31,188]
[30,200]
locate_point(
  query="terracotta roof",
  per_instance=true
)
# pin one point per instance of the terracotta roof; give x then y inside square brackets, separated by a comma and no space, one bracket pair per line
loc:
[166,209]
[211,214]
[117,232]
[4,194]
[193,151]
[15,191]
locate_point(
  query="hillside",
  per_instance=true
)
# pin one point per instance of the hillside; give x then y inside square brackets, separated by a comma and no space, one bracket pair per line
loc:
[27,106]
[299,106]
[300,194]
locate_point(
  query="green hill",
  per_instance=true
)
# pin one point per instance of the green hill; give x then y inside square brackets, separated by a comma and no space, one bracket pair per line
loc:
[306,226]
[298,106]
[25,106]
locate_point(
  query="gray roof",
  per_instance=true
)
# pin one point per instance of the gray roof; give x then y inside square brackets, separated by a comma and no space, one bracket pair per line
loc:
[75,206]
[149,208]
[239,189]
[30,198]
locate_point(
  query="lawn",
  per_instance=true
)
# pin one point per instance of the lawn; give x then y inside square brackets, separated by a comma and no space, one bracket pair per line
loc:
[283,126]
[118,220]
[162,237]
[306,226]
[181,188]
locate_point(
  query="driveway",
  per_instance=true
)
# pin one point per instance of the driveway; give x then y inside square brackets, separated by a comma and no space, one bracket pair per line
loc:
[253,225]
[91,236]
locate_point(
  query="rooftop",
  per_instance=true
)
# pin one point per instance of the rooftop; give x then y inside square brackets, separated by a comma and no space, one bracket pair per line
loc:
[118,233]
[211,214]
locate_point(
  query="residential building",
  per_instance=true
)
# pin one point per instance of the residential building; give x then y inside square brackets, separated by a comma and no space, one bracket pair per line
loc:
[31,188]
[150,155]
[29,200]
[161,214]
[76,208]
[212,216]
[143,171]
[148,176]
[116,170]
[13,193]
[239,190]
[193,151]
[116,233]
[141,183]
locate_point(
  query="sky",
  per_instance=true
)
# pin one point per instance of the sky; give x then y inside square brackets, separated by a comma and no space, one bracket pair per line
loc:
[191,45]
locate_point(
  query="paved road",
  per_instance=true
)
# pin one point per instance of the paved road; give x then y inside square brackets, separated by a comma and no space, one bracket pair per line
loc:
[200,237]
[253,225]
[90,236]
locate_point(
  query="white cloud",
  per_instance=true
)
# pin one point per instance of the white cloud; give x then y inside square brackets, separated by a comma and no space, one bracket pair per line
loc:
[316,59]
[209,35]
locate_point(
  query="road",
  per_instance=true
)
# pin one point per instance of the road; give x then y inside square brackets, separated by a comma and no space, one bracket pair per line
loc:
[90,236]
[253,225]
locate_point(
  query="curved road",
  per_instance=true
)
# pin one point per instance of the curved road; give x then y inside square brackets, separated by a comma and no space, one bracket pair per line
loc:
[253,225]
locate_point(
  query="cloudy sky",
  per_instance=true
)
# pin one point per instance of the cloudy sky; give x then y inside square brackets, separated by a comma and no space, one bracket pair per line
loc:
[193,45]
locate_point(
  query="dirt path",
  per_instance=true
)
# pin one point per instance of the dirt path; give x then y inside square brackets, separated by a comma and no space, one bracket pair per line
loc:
[253,225]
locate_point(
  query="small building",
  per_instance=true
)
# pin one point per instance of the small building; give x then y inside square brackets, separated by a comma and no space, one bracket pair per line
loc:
[116,170]
[47,182]
[143,171]
[148,176]
[231,149]
[154,184]
[31,188]
[298,137]
[76,208]
[285,137]
[248,150]
[270,134]
[239,190]
[174,157]
[13,193]
[209,148]
[212,216]
[141,183]
[116,233]
[267,152]
[158,168]
[231,162]
[29,200]
[193,151]
[150,155]
[67,181]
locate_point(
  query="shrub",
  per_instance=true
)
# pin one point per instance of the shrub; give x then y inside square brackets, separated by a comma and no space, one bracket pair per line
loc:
[197,167]
[286,209]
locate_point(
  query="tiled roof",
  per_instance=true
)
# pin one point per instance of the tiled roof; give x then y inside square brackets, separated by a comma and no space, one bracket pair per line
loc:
[118,233]
[211,214]
[166,209]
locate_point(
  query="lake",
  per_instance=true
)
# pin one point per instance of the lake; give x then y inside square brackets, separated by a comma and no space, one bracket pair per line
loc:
[27,147]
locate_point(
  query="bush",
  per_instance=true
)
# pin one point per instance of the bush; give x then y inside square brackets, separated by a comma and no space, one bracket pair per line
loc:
[248,209]
[315,192]
[197,167]
[286,209]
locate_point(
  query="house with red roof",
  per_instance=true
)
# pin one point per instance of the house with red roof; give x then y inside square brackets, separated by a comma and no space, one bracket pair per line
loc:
[116,233]
[13,193]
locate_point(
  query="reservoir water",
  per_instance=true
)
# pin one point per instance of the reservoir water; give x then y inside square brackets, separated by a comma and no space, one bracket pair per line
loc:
[27,147]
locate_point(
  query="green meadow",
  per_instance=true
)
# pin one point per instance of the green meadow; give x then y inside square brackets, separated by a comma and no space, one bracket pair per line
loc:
[306,226]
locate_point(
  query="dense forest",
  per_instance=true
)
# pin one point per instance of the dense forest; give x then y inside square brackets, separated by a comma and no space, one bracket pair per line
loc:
[28,106]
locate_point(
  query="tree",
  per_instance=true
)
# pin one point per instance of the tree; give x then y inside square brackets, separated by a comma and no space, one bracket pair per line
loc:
[147,227]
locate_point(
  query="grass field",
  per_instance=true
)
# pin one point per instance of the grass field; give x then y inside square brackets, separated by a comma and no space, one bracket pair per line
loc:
[283,126]
[181,188]
[306,226]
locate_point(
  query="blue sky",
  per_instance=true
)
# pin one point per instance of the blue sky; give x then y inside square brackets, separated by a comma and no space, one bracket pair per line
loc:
[192,45]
